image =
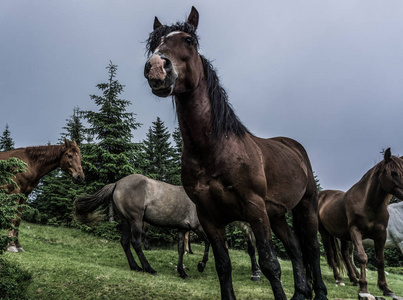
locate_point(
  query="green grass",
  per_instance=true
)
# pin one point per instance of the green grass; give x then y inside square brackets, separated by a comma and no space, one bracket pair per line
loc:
[69,264]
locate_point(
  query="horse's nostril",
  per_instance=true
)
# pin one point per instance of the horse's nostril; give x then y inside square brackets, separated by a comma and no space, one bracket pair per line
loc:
[167,63]
[147,69]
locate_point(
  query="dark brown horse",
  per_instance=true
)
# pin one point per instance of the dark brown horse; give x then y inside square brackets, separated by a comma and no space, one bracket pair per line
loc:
[231,174]
[137,200]
[41,160]
[358,214]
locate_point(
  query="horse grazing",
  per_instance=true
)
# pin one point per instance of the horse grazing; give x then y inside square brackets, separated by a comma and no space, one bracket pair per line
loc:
[357,214]
[40,160]
[230,174]
[394,231]
[137,200]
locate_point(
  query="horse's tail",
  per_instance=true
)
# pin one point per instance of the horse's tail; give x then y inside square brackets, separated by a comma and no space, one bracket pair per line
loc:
[84,205]
[333,252]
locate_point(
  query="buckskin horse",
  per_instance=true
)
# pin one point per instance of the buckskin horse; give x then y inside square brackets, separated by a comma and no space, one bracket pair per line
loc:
[358,214]
[40,160]
[229,173]
[138,199]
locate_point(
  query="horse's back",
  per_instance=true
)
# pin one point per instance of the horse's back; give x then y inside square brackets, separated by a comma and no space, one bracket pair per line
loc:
[156,202]
[332,212]
[285,159]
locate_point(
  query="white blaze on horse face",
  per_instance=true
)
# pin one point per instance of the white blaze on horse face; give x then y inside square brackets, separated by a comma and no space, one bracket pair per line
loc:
[165,37]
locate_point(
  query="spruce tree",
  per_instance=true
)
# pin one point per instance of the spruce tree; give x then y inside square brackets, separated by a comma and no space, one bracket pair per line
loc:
[175,173]
[112,129]
[109,157]
[158,153]
[6,142]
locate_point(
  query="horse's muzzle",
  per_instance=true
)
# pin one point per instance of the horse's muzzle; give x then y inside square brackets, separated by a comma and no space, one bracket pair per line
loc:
[160,74]
[78,178]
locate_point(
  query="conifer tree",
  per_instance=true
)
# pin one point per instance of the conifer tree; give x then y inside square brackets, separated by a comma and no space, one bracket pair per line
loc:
[111,126]
[158,153]
[6,142]
[109,157]
[175,174]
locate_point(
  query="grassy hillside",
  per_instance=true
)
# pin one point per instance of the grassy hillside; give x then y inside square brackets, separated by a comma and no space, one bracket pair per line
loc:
[68,264]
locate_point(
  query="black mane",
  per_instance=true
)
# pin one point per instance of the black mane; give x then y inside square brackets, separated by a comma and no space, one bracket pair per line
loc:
[224,118]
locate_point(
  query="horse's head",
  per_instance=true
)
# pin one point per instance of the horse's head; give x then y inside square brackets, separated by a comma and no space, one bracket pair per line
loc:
[71,161]
[391,175]
[174,66]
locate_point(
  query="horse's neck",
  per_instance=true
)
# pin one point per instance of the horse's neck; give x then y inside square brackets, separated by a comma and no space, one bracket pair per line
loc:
[47,162]
[195,119]
[375,196]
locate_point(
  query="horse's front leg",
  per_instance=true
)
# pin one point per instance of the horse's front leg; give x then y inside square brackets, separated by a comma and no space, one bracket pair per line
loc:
[379,242]
[362,258]
[14,246]
[181,251]
[291,244]
[217,237]
[269,265]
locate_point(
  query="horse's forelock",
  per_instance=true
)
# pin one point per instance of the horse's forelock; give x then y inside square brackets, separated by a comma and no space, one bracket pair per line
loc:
[155,37]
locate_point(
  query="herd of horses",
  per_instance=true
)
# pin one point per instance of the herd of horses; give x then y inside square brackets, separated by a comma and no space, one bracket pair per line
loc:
[229,175]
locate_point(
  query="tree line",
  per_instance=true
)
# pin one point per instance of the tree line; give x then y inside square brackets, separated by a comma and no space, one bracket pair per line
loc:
[108,154]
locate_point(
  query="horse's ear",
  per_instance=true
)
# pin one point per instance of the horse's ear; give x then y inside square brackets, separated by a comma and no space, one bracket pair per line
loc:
[388,155]
[193,18]
[66,143]
[157,23]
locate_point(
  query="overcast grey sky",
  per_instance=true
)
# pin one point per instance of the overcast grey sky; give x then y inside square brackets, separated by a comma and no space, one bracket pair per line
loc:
[326,73]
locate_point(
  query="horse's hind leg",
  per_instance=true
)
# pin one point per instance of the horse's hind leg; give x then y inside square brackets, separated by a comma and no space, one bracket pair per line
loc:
[125,242]
[290,242]
[305,224]
[181,251]
[202,264]
[188,248]
[255,267]
[330,250]
[136,229]
[144,238]
[346,252]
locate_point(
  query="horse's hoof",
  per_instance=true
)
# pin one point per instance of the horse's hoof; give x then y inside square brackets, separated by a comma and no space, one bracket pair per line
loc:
[255,278]
[201,266]
[320,295]
[12,249]
[184,276]
[365,296]
[340,282]
[20,249]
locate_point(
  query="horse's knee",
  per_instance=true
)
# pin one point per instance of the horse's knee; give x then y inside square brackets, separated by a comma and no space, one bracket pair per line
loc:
[362,258]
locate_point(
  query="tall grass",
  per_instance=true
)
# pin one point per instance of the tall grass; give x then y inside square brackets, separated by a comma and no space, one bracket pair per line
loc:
[69,264]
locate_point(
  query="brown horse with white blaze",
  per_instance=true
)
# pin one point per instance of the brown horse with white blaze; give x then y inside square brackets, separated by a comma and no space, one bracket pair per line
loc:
[360,213]
[231,174]
[40,160]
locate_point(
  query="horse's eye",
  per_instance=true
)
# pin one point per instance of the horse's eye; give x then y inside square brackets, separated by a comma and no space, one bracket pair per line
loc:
[189,40]
[394,174]
[70,156]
